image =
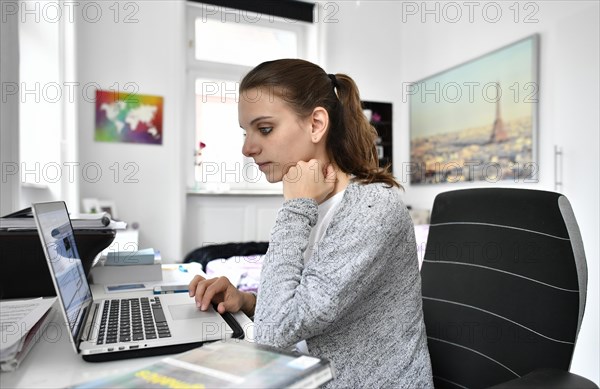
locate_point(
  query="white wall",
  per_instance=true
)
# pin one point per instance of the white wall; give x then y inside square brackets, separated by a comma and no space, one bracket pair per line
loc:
[214,219]
[575,115]
[382,46]
[149,53]
[362,40]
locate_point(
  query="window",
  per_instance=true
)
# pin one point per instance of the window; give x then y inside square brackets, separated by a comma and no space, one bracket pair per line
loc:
[242,44]
[40,103]
[223,46]
[47,106]
[221,166]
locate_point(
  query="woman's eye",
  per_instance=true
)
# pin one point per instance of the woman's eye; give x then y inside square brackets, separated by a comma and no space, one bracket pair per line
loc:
[265,130]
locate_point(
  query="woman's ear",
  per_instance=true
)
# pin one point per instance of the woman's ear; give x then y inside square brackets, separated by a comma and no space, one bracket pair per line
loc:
[319,124]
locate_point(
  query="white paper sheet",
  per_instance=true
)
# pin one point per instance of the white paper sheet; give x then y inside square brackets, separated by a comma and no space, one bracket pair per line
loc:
[17,317]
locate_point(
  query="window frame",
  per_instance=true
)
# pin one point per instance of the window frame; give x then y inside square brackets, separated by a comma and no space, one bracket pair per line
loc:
[201,69]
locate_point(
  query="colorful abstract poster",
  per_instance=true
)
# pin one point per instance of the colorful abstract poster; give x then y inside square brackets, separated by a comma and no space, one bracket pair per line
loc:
[128,117]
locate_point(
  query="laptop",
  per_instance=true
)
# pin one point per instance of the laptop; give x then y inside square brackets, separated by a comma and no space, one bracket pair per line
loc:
[124,327]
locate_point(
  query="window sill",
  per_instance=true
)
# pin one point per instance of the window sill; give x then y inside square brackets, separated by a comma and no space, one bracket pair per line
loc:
[31,185]
[233,192]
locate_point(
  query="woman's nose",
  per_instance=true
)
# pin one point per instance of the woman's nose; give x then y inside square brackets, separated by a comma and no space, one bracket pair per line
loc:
[249,148]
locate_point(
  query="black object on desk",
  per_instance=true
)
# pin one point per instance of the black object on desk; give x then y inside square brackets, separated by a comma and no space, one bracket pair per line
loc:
[23,268]
[204,254]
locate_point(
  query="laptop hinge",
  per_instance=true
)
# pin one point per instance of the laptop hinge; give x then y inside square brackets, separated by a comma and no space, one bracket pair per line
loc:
[89,328]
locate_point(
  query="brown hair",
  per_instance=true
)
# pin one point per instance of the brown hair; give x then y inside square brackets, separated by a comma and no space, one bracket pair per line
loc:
[304,86]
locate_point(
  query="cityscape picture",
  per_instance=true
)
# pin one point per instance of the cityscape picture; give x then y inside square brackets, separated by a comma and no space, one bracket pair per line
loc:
[477,121]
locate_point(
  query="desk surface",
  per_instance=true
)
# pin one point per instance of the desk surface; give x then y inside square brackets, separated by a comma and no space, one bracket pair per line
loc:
[53,362]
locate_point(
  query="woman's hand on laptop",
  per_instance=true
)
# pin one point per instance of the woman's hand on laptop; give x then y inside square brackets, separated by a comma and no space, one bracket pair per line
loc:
[221,292]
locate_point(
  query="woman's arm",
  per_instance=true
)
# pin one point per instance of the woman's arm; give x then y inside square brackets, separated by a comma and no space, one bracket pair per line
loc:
[297,302]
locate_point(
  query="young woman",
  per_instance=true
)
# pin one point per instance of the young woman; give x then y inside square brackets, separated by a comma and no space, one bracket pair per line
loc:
[341,272]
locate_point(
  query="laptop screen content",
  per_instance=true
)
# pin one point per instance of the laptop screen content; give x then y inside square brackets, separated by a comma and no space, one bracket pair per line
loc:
[58,239]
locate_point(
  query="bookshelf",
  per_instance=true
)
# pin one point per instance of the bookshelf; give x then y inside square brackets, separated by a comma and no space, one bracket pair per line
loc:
[380,116]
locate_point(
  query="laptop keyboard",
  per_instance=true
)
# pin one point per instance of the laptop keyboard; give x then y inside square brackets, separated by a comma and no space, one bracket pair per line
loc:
[127,320]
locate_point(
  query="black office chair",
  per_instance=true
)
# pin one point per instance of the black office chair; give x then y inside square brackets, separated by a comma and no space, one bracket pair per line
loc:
[504,288]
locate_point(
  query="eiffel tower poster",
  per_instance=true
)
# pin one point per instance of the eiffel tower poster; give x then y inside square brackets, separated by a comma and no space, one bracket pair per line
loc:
[477,121]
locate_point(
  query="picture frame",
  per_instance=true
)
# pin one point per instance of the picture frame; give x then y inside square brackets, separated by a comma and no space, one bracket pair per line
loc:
[478,120]
[128,117]
[109,207]
[90,205]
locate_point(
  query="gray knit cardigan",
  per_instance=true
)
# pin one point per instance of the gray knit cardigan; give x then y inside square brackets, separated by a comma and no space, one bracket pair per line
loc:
[357,302]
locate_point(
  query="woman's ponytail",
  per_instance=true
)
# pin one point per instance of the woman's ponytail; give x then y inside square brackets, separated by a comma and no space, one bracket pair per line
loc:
[355,151]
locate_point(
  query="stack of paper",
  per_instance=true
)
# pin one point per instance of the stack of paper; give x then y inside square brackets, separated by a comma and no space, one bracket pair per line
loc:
[127,266]
[128,258]
[22,323]
[23,219]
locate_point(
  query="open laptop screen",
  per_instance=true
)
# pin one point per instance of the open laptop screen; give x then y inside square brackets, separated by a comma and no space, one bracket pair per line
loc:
[56,234]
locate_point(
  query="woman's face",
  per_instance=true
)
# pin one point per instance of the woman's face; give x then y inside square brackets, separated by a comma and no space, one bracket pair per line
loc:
[276,138]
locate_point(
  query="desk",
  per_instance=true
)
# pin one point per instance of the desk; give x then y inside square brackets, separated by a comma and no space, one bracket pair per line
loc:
[53,362]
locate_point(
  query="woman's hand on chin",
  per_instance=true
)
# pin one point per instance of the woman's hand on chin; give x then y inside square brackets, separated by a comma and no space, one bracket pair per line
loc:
[310,179]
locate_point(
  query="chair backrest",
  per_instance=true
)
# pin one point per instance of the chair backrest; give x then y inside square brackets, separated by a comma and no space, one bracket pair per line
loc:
[504,284]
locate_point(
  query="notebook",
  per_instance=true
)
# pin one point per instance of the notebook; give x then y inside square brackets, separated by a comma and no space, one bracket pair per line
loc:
[127,326]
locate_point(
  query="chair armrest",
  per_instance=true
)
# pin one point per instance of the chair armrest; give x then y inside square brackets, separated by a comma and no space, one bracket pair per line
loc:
[548,379]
